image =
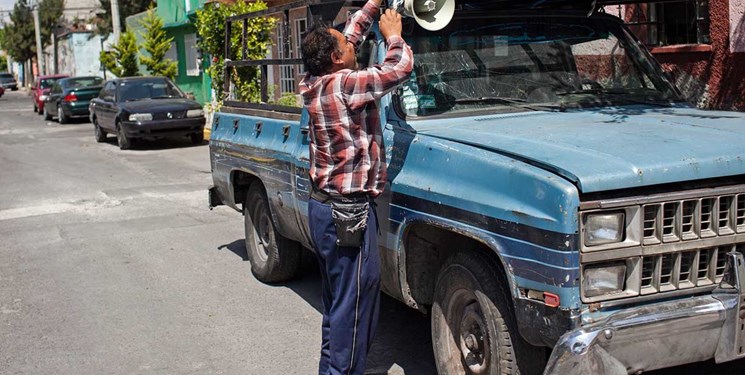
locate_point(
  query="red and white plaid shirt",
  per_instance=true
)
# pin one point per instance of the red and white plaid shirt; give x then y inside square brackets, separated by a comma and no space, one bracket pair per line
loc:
[346,138]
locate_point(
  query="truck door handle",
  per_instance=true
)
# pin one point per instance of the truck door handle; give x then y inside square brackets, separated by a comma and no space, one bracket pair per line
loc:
[305,130]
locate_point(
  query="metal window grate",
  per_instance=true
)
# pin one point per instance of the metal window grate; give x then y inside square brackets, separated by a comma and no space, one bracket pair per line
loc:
[706,215]
[647,271]
[688,220]
[740,213]
[686,269]
[721,262]
[650,222]
[704,257]
[686,266]
[669,221]
[666,269]
[724,221]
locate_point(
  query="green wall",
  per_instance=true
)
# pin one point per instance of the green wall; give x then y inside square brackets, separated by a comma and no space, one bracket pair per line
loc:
[178,23]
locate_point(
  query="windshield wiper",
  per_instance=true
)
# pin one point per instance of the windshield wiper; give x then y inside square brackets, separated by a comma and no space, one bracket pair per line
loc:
[163,97]
[515,102]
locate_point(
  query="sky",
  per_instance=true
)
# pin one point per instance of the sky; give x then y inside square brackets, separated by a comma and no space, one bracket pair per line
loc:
[6,5]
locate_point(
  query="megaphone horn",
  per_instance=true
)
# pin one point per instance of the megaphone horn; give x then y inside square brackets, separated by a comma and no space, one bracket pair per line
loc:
[431,15]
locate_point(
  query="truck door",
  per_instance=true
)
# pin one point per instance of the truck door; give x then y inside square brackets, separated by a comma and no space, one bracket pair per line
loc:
[301,182]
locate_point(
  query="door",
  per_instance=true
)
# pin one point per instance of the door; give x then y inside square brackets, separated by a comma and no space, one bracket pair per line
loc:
[104,106]
[55,97]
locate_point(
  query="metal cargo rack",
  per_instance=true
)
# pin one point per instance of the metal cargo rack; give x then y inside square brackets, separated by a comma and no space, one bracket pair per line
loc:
[317,10]
[327,10]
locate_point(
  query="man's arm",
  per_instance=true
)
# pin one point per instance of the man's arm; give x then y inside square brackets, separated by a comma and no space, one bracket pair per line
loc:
[363,86]
[359,23]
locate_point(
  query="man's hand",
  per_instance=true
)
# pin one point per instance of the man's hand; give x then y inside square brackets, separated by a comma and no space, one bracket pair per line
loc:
[390,24]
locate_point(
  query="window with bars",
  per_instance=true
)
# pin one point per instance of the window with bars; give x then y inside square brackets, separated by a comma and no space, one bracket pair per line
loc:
[301,26]
[670,23]
[286,72]
[190,53]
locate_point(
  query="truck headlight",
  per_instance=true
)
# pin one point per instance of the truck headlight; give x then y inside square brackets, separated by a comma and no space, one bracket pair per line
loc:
[604,228]
[195,113]
[140,117]
[603,279]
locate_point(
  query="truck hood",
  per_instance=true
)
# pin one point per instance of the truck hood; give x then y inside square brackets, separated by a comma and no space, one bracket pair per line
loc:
[609,148]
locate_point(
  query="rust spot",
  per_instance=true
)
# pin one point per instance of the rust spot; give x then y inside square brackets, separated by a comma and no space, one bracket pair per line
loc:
[594,307]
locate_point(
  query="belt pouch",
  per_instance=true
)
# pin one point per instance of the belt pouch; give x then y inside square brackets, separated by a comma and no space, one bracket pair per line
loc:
[350,220]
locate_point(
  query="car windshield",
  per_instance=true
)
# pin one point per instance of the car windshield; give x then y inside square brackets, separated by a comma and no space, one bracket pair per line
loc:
[47,82]
[6,75]
[529,63]
[144,89]
[73,83]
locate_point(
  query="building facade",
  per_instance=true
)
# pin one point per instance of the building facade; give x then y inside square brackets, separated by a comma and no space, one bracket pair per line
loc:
[700,42]
[178,18]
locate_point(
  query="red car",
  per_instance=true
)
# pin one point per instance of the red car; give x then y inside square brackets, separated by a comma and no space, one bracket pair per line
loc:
[41,88]
[2,92]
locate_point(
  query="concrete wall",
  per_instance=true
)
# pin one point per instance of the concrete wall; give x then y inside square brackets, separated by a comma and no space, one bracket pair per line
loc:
[77,54]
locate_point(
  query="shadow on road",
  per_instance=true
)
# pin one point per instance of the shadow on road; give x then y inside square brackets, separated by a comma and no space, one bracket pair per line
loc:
[158,144]
[403,344]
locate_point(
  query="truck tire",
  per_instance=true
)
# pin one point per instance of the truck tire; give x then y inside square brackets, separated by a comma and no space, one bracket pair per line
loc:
[273,258]
[473,325]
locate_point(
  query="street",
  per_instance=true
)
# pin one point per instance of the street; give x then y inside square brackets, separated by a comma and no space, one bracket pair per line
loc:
[112,263]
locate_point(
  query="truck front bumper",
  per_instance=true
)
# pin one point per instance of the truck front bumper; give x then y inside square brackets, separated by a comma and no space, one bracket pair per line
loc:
[660,335]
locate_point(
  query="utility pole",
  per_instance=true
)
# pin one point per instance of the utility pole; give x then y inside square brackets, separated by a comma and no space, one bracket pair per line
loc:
[37,28]
[115,20]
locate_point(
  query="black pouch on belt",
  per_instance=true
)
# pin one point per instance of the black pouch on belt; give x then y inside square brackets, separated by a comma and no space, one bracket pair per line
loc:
[350,220]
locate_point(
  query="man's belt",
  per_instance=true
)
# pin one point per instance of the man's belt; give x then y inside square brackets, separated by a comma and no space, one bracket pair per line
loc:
[324,196]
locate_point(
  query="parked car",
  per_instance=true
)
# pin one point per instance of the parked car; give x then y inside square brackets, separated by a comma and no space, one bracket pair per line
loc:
[40,91]
[7,81]
[70,97]
[145,107]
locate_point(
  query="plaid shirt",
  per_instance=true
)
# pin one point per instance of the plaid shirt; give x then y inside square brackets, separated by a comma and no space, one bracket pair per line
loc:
[346,139]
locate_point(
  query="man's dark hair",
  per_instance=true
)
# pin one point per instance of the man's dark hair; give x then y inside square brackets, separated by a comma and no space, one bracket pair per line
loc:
[316,49]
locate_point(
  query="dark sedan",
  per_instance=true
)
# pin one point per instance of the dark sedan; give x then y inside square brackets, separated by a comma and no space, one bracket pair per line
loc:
[7,81]
[70,97]
[145,107]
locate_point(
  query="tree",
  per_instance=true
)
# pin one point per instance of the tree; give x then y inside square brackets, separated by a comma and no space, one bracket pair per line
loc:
[20,37]
[122,59]
[210,26]
[50,12]
[126,9]
[157,45]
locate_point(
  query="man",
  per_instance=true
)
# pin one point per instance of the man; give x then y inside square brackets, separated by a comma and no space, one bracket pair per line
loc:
[348,169]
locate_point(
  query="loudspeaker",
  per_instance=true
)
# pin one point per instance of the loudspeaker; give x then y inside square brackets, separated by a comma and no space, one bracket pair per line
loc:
[431,15]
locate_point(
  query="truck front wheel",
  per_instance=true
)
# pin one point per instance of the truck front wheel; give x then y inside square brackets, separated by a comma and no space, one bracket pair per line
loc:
[273,257]
[473,326]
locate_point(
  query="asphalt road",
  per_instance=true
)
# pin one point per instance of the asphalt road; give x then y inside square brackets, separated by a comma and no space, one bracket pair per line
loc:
[111,263]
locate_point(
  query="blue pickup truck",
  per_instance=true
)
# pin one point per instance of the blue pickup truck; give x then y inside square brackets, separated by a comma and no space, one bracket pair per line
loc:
[549,192]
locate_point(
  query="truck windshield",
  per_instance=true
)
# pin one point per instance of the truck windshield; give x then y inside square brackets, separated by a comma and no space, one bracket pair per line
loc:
[529,63]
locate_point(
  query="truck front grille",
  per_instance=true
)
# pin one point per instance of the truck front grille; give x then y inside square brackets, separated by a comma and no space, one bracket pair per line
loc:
[692,219]
[685,269]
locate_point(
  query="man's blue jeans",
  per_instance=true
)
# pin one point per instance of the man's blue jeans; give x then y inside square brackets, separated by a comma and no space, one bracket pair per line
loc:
[351,292]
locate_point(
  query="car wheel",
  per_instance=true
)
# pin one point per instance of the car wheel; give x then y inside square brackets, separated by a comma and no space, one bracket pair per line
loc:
[47,115]
[99,133]
[273,258]
[197,138]
[61,116]
[474,330]
[121,138]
